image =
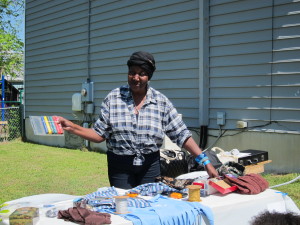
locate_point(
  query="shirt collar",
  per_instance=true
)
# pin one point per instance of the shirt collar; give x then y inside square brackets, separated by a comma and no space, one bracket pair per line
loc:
[126,94]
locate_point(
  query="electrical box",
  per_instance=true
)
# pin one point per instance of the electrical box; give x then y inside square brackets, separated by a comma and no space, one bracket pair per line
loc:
[220,118]
[241,124]
[89,108]
[87,92]
[76,102]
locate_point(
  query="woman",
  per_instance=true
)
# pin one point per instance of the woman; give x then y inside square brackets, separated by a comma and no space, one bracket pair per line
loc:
[133,120]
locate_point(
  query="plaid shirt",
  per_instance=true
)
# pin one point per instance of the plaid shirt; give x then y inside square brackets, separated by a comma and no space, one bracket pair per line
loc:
[129,134]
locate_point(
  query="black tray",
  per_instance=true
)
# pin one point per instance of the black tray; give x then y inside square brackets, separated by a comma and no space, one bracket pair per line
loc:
[255,157]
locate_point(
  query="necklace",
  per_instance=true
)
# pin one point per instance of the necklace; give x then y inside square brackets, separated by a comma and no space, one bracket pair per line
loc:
[138,106]
[136,111]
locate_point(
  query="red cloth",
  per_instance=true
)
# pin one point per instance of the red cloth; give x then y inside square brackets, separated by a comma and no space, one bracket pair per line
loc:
[250,183]
[84,216]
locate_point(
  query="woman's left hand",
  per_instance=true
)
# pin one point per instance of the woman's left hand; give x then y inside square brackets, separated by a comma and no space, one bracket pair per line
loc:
[212,172]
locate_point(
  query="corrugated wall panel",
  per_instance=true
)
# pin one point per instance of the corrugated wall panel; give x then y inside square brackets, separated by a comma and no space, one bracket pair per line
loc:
[239,92]
[254,63]
[286,68]
[56,52]
[168,29]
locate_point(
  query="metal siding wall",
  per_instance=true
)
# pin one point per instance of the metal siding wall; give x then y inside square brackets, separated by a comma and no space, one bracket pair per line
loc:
[286,69]
[56,47]
[247,81]
[167,29]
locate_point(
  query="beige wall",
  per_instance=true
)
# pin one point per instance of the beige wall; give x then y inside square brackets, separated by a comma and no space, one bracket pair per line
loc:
[283,149]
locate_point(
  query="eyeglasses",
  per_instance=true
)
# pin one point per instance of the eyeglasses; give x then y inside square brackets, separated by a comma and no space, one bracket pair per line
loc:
[141,74]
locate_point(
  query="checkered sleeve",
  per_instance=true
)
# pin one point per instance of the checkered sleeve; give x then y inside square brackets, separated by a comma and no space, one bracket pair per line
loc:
[102,125]
[175,128]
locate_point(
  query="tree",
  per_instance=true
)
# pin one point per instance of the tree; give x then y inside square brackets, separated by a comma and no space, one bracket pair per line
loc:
[11,45]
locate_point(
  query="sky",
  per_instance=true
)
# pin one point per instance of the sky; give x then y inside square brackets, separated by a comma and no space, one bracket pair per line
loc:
[21,33]
[21,27]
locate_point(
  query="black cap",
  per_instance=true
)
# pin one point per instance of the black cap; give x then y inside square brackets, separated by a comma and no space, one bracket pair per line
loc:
[144,60]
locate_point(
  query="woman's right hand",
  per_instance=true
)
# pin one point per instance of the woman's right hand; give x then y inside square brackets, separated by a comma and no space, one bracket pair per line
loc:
[66,124]
[86,133]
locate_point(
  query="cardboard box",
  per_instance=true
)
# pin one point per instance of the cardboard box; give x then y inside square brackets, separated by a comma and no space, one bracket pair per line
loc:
[222,187]
[24,216]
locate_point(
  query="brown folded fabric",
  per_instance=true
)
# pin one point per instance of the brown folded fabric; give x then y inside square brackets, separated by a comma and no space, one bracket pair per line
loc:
[84,216]
[258,181]
[243,187]
[249,184]
[252,184]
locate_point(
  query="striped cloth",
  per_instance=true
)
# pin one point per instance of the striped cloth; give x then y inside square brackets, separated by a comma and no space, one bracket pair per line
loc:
[102,204]
[152,189]
[102,199]
[107,192]
[109,205]
[138,203]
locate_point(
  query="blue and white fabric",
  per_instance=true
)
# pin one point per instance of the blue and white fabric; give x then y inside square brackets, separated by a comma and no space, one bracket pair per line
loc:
[152,189]
[102,199]
[109,205]
[102,205]
[167,211]
[107,192]
[158,210]
[138,203]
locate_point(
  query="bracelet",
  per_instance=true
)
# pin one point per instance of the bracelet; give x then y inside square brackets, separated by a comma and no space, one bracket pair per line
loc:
[206,162]
[204,159]
[200,157]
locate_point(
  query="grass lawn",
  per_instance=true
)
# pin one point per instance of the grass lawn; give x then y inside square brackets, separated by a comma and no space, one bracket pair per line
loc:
[30,169]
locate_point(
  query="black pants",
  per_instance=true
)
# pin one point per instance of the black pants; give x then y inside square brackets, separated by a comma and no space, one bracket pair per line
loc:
[123,174]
